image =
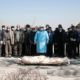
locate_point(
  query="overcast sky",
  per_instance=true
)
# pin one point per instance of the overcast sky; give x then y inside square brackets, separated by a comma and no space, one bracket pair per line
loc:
[40,12]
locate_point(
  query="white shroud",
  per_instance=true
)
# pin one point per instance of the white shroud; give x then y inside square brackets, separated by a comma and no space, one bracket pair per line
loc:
[43,60]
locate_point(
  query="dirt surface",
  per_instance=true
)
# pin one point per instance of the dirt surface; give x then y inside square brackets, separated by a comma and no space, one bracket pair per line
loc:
[10,70]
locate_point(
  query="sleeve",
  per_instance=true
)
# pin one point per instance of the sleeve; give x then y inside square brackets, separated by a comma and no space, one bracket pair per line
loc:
[35,38]
[65,37]
[4,39]
[0,36]
[77,37]
[47,37]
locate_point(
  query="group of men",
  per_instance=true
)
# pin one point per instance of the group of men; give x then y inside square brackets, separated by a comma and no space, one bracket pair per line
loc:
[39,41]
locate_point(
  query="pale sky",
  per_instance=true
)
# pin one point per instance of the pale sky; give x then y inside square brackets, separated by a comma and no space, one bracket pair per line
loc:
[40,12]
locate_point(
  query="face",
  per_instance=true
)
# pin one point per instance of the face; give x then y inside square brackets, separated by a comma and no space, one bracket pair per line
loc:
[8,29]
[18,28]
[3,28]
[47,26]
[41,29]
[73,29]
[60,29]
[69,29]
[12,29]
[28,29]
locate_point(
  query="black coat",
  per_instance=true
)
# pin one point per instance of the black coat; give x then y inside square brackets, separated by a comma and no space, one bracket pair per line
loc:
[27,36]
[32,35]
[59,37]
[72,39]
[72,36]
[59,41]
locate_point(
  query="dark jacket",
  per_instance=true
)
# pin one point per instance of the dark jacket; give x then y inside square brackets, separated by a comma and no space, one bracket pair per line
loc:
[51,37]
[32,35]
[2,35]
[27,37]
[72,36]
[59,37]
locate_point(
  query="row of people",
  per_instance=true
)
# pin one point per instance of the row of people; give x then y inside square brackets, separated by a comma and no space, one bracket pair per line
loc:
[39,41]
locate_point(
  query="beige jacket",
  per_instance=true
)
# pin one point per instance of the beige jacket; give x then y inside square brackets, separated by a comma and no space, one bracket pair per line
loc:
[12,37]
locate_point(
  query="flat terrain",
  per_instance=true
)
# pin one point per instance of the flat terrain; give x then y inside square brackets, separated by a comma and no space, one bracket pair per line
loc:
[10,70]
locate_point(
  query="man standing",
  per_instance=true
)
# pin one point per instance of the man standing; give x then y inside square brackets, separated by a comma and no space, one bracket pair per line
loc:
[33,46]
[18,41]
[12,39]
[0,44]
[8,52]
[27,40]
[41,40]
[50,44]
[78,41]
[72,42]
[59,41]
[2,40]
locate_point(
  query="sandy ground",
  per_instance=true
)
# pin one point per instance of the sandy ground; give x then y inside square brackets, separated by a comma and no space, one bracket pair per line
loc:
[10,70]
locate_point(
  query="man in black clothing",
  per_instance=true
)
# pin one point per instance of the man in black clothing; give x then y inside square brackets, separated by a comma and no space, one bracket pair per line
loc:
[59,41]
[2,40]
[50,44]
[78,41]
[72,42]
[27,41]
[33,45]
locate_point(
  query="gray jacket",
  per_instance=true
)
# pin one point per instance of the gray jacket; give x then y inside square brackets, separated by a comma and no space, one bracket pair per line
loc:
[18,37]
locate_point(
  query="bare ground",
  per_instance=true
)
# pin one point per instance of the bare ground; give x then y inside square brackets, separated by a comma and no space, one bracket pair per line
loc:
[10,70]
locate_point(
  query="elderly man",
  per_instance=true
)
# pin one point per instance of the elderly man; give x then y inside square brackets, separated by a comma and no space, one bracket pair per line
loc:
[18,41]
[8,52]
[41,40]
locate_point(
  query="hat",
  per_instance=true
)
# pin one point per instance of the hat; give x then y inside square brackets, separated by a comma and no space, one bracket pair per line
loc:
[59,26]
[12,26]
[27,26]
[3,26]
